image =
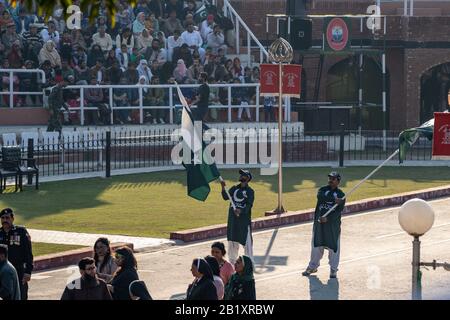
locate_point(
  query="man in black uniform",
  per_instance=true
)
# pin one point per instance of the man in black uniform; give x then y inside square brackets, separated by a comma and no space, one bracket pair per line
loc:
[19,249]
[202,99]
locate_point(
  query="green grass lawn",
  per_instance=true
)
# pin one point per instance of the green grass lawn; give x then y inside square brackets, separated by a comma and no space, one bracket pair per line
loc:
[155,204]
[40,249]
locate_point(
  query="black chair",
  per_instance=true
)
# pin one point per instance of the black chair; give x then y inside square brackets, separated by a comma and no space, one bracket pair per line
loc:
[11,156]
[8,169]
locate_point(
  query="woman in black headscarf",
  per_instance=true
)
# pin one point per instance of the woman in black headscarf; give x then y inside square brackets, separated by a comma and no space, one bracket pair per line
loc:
[203,287]
[125,274]
[215,268]
[95,54]
[139,291]
[242,284]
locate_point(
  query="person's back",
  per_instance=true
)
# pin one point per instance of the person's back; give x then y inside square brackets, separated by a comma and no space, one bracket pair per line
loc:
[204,289]
[9,281]
[121,282]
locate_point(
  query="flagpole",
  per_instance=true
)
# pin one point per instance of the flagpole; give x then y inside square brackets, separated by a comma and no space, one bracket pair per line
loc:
[280,52]
[228,194]
[362,181]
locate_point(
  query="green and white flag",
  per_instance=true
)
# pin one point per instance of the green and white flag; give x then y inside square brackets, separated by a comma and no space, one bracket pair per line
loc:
[200,168]
[408,137]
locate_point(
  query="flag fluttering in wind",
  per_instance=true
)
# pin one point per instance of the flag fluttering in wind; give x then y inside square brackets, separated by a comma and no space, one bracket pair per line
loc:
[408,137]
[201,169]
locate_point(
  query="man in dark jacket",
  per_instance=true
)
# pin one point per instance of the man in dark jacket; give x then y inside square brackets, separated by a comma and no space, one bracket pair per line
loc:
[9,282]
[55,104]
[19,249]
[240,220]
[327,230]
[89,286]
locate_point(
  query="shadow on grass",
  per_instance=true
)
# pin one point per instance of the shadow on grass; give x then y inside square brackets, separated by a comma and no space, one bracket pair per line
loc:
[53,198]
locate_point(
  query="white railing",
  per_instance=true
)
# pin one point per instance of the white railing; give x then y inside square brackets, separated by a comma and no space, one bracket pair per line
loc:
[231,13]
[11,91]
[170,107]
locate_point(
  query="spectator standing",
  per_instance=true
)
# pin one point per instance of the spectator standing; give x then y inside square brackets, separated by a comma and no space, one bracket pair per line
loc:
[9,281]
[155,97]
[20,253]
[202,288]
[242,283]
[226,268]
[218,282]
[125,274]
[104,261]
[23,20]
[269,112]
[89,286]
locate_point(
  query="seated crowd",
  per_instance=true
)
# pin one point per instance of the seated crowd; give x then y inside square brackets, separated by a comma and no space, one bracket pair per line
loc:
[155,42]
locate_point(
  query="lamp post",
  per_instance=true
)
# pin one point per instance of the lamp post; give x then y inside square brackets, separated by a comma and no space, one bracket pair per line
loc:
[280,52]
[416,217]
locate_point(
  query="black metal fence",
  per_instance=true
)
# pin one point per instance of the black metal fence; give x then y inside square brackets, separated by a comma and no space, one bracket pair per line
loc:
[109,151]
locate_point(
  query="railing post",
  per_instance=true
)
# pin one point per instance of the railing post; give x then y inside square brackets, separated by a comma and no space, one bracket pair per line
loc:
[11,90]
[108,154]
[257,103]
[237,36]
[111,105]
[30,155]
[229,103]
[171,104]
[141,110]
[341,146]
[82,106]
[249,50]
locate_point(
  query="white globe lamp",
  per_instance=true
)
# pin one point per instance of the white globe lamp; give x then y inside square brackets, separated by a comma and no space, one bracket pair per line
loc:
[416,217]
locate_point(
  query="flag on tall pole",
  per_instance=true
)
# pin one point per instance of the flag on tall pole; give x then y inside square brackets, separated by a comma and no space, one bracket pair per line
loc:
[201,169]
[408,137]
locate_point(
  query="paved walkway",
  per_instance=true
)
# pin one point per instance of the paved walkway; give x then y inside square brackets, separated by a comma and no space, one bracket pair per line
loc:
[88,239]
[375,262]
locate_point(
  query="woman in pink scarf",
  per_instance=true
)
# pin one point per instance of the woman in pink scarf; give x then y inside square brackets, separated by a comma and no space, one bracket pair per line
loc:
[181,73]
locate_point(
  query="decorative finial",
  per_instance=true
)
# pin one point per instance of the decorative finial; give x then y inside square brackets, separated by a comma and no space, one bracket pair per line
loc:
[281,51]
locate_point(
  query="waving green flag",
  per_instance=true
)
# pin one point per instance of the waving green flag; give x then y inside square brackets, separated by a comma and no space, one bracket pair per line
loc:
[408,137]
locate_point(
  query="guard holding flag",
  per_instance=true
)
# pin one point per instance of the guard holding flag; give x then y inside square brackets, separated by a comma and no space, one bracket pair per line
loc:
[20,254]
[327,230]
[240,219]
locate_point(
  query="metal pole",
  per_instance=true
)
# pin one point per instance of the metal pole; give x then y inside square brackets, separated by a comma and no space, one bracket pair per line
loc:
[384,100]
[280,208]
[411,8]
[416,285]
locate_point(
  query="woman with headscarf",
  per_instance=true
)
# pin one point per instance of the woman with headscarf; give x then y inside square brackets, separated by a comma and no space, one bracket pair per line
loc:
[139,23]
[139,291]
[226,268]
[110,58]
[181,73]
[203,287]
[218,283]
[125,275]
[48,52]
[242,284]
[144,41]
[144,70]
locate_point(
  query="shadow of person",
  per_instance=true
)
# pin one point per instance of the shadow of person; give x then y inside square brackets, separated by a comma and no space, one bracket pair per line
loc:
[321,291]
